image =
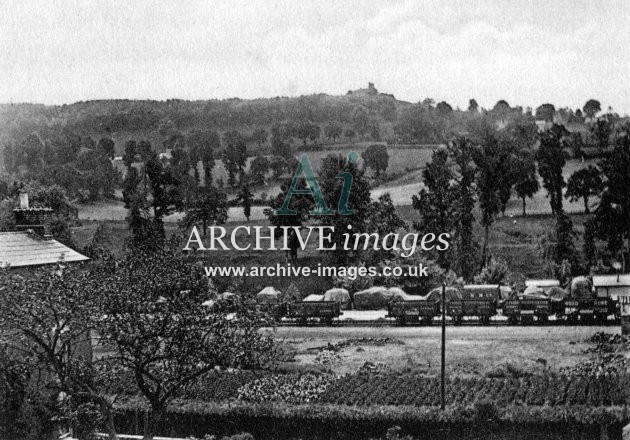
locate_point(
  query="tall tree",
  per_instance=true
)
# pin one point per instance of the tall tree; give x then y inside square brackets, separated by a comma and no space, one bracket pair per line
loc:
[545,112]
[166,196]
[358,201]
[436,203]
[208,206]
[551,160]
[258,170]
[601,131]
[246,197]
[612,216]
[589,248]
[260,136]
[235,155]
[376,158]
[333,131]
[592,107]
[108,147]
[350,134]
[526,177]
[583,184]
[129,157]
[201,146]
[465,244]
[495,174]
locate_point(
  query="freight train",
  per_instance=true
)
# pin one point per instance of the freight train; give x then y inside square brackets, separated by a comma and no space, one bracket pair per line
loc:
[472,303]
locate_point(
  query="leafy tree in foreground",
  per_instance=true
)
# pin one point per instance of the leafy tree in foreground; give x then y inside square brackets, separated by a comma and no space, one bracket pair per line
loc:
[583,184]
[47,317]
[153,319]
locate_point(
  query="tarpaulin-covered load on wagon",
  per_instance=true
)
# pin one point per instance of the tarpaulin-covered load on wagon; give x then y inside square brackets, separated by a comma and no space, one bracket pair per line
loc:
[313,298]
[533,292]
[269,295]
[374,298]
[452,293]
[581,287]
[557,294]
[342,296]
[400,295]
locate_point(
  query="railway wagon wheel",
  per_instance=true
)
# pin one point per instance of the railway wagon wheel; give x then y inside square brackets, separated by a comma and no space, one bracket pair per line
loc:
[587,319]
[457,320]
[426,320]
[527,319]
[302,321]
[401,321]
[328,321]
[543,319]
[572,319]
[484,319]
[513,320]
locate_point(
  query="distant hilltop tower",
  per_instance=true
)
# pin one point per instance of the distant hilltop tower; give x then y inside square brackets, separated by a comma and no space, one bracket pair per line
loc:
[371,90]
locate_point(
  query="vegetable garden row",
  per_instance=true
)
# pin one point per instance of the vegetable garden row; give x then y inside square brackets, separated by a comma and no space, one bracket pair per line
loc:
[364,389]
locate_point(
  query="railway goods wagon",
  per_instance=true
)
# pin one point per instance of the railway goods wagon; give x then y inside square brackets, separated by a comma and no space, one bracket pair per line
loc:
[324,311]
[275,311]
[527,310]
[413,311]
[588,310]
[482,308]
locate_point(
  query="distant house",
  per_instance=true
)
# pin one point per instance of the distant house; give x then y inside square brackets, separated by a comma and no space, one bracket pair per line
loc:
[32,244]
[612,286]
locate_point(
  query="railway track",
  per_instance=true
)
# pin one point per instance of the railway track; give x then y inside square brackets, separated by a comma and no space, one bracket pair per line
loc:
[471,323]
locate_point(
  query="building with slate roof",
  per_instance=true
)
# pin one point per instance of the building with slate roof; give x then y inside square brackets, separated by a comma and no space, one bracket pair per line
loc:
[32,244]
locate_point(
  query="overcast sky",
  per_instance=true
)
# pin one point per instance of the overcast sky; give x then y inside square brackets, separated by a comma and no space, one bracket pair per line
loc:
[527,52]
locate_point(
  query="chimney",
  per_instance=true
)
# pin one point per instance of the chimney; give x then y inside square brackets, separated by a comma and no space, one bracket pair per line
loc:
[34,219]
[24,200]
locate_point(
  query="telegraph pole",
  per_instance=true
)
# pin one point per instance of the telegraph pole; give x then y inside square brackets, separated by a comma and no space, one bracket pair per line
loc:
[443,367]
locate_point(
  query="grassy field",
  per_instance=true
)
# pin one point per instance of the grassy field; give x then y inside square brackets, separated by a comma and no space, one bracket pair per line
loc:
[470,350]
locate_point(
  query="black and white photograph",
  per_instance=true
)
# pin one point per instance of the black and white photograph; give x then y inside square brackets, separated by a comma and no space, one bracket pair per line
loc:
[314,220]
